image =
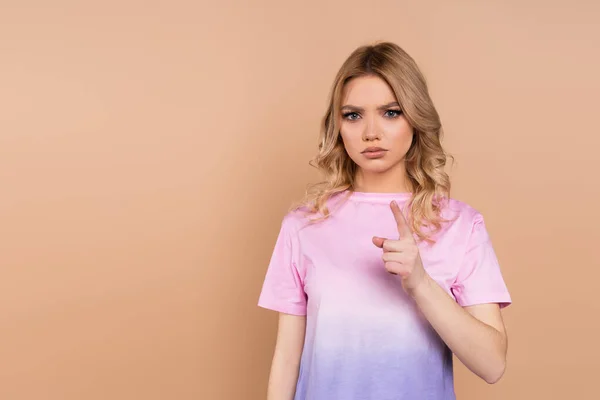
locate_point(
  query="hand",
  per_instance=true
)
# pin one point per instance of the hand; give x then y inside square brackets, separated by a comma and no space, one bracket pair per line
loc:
[402,256]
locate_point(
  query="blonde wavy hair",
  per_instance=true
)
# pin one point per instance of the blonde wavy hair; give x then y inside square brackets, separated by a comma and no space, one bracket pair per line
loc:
[425,160]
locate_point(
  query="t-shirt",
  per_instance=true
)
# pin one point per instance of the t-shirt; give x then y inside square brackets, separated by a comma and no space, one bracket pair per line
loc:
[365,337]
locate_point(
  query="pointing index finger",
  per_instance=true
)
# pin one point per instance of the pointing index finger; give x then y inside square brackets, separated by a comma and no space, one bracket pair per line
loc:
[403,228]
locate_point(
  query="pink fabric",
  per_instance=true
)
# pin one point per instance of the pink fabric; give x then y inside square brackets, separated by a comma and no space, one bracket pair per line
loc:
[462,260]
[365,338]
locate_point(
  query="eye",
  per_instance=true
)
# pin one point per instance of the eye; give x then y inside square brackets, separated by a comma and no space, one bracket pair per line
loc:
[351,116]
[393,113]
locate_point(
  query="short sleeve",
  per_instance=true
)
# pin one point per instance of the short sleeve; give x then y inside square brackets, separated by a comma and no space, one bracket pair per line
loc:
[283,287]
[479,279]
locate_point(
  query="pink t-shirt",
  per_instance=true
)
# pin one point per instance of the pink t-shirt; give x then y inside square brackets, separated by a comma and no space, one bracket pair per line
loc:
[365,338]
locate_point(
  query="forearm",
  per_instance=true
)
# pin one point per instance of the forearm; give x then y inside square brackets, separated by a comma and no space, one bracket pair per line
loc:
[283,378]
[286,358]
[481,347]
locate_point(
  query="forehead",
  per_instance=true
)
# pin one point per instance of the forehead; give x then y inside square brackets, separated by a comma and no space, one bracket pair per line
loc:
[366,90]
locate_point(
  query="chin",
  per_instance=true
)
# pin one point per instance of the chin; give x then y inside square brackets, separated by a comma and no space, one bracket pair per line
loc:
[374,167]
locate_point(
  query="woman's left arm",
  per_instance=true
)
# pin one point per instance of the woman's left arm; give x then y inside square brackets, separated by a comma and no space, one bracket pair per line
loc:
[475,334]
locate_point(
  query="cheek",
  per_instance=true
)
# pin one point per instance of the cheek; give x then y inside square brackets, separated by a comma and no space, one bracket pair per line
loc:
[400,133]
[352,137]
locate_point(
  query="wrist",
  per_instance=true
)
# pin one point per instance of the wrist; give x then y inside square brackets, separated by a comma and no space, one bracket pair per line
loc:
[422,288]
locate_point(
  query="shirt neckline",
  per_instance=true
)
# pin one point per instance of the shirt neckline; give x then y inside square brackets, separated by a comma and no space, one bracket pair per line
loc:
[378,197]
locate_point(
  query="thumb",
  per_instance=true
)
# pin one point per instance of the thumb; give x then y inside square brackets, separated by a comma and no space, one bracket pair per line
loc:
[377,241]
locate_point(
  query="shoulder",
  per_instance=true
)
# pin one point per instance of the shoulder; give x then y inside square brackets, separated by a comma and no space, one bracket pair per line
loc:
[462,215]
[303,215]
[462,209]
[461,224]
[296,219]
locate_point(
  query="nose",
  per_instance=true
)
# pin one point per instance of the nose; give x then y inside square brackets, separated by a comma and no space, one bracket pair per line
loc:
[371,130]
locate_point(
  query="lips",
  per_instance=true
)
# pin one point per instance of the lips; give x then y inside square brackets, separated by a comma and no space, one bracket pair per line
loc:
[373,153]
[373,149]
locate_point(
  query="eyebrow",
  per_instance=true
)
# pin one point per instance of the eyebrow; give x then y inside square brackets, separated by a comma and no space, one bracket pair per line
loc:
[383,107]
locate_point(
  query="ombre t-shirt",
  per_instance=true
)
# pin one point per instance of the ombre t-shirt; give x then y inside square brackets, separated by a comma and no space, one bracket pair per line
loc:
[365,338]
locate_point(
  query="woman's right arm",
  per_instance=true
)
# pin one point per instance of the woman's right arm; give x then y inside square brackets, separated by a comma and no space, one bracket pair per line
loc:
[286,358]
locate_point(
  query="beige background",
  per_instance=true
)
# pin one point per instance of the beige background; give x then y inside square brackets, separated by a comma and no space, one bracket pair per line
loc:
[148,151]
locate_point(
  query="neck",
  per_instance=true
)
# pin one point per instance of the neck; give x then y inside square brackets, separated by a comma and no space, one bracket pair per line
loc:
[377,182]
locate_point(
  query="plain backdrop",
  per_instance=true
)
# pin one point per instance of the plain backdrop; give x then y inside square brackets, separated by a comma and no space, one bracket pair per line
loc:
[149,149]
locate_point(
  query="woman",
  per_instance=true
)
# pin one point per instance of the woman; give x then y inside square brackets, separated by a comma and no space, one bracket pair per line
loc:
[379,276]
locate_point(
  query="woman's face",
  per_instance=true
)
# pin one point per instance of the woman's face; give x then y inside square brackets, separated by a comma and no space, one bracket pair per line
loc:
[375,132]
